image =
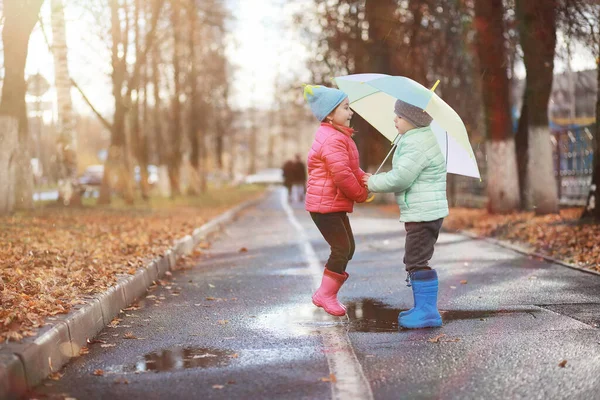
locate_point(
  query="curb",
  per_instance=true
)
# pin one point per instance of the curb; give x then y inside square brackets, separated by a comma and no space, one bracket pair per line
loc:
[24,365]
[523,250]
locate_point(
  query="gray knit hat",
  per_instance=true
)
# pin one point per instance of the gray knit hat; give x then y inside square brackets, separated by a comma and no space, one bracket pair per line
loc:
[413,114]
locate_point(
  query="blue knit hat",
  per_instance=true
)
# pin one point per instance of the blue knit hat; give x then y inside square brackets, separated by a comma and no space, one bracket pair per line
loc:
[323,100]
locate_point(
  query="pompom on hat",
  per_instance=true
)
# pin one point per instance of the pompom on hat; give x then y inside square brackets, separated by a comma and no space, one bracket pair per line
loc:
[322,100]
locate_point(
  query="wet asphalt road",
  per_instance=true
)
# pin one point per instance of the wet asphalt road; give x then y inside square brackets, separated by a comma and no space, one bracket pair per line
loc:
[240,324]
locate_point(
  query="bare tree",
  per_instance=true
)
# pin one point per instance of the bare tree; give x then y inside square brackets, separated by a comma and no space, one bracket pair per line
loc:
[118,164]
[67,139]
[579,19]
[537,30]
[503,186]
[19,19]
[175,131]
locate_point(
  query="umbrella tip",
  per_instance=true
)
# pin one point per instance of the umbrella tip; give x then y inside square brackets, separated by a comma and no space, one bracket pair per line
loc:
[435,85]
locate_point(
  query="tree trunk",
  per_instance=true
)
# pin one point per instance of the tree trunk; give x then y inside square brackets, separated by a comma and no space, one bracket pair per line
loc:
[67,140]
[503,186]
[19,19]
[592,209]
[9,137]
[537,28]
[522,148]
[194,123]
[116,169]
[139,141]
[418,68]
[175,153]
[253,143]
[380,16]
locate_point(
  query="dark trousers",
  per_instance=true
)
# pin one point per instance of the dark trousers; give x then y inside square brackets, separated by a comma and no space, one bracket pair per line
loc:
[420,241]
[335,228]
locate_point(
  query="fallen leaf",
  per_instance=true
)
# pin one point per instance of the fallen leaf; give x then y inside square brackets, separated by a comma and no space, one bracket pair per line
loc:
[218,386]
[236,355]
[563,363]
[209,298]
[98,372]
[55,376]
[122,381]
[331,378]
[94,341]
[129,335]
[464,282]
[223,321]
[243,250]
[84,351]
[104,346]
[231,382]
[437,338]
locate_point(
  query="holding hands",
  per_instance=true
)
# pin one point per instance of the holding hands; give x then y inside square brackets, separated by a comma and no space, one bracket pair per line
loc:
[365,179]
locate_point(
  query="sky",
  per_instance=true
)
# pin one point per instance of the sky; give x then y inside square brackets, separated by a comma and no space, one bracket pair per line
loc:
[263,46]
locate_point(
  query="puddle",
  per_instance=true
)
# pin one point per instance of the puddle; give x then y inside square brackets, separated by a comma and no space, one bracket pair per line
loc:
[455,315]
[292,272]
[294,320]
[369,315]
[184,358]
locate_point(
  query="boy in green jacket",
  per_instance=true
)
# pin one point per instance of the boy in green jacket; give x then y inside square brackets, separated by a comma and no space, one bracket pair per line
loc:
[418,179]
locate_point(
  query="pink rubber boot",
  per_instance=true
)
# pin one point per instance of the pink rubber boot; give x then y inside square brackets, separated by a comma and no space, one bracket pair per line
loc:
[326,295]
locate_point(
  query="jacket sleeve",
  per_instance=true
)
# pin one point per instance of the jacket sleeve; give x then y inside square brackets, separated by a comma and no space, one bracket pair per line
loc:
[411,161]
[336,157]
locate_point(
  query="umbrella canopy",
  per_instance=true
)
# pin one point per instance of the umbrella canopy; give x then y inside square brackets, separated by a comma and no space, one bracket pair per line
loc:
[373,96]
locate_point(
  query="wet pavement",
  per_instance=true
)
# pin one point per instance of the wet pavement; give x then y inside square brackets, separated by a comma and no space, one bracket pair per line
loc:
[240,323]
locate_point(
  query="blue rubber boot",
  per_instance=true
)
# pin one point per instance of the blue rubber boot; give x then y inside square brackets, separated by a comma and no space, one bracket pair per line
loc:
[425,313]
[403,313]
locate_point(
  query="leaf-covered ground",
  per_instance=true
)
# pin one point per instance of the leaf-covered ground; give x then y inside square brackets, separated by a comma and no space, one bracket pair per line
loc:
[563,237]
[50,258]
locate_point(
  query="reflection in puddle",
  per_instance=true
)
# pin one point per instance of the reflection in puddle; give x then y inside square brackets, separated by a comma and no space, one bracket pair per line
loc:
[369,315]
[184,358]
[295,320]
[454,315]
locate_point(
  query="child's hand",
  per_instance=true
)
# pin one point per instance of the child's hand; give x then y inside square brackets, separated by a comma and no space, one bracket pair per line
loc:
[365,179]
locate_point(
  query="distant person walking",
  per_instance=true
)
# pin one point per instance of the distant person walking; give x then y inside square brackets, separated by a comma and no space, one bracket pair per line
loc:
[288,177]
[299,179]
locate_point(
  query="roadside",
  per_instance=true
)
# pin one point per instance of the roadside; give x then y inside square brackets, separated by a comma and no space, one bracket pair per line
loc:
[561,237]
[54,257]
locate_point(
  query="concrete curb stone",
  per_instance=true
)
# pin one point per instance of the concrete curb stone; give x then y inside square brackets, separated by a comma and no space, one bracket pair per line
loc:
[84,323]
[51,348]
[24,365]
[112,301]
[12,377]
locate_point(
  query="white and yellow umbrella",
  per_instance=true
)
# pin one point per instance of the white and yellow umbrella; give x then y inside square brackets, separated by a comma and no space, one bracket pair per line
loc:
[373,96]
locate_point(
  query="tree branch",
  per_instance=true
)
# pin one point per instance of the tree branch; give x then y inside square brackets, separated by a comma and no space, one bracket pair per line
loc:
[107,124]
[141,57]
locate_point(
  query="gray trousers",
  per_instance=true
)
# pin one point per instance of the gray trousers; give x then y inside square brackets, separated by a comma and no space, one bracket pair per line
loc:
[420,240]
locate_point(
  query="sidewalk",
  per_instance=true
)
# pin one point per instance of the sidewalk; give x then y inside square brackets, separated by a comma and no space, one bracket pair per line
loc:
[25,364]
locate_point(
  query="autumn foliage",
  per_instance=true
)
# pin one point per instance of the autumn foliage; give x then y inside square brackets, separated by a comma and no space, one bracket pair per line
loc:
[561,236]
[51,258]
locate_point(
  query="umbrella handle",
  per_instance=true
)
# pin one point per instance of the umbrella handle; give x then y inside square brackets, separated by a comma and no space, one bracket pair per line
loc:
[370,198]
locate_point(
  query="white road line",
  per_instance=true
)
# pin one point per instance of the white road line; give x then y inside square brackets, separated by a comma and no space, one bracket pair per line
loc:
[350,381]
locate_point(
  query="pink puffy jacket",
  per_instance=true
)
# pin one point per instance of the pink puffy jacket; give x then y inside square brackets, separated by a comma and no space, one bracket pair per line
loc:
[334,176]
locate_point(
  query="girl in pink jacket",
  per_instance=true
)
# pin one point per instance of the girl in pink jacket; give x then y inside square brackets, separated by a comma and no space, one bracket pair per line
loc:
[334,184]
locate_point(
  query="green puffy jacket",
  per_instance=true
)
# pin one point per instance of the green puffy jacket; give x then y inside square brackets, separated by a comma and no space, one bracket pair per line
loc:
[417,178]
